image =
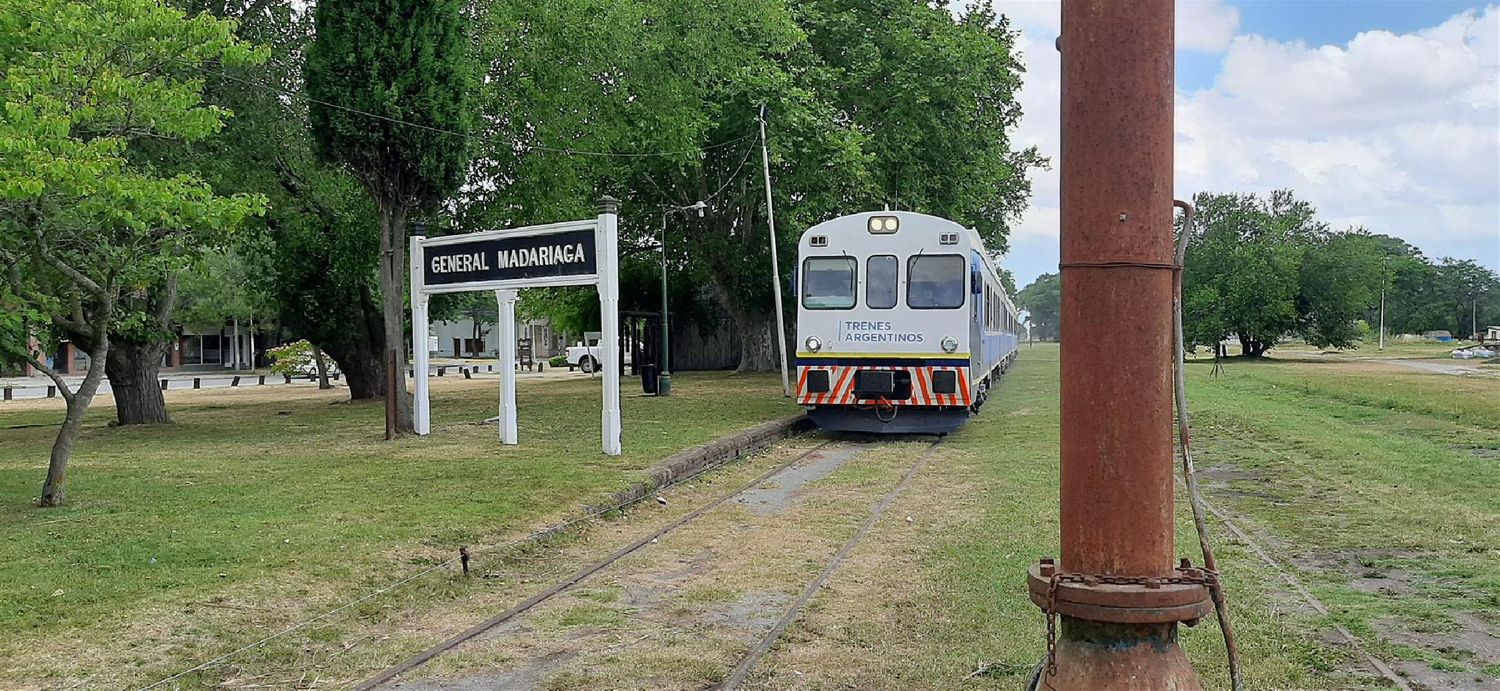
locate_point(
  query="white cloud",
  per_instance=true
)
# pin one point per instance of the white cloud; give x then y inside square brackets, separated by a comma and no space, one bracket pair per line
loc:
[1206,26]
[1399,133]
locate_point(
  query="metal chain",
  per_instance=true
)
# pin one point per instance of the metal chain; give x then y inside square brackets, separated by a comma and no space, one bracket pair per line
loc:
[1209,579]
[1052,625]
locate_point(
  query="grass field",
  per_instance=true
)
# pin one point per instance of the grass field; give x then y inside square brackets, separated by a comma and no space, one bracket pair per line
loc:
[1374,485]
[1379,487]
[958,614]
[275,503]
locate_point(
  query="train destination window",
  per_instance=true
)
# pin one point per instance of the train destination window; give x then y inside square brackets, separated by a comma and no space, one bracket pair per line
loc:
[936,281]
[880,281]
[828,283]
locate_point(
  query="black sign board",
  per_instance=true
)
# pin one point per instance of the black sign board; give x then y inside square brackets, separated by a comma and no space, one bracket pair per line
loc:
[553,255]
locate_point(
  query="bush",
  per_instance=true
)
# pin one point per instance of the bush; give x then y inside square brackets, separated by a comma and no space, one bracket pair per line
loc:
[558,361]
[291,358]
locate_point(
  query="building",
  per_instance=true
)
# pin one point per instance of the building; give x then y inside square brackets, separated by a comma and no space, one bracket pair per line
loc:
[229,346]
[457,339]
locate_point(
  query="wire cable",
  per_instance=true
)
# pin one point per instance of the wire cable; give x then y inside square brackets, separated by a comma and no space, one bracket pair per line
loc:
[537,147]
[1189,471]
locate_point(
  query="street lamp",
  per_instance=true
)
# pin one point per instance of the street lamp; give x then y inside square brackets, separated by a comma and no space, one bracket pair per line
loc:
[664,380]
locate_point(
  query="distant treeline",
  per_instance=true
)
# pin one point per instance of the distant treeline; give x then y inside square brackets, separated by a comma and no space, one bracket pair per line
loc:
[1263,267]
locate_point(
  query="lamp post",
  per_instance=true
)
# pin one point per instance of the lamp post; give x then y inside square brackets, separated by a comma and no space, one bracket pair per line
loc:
[664,380]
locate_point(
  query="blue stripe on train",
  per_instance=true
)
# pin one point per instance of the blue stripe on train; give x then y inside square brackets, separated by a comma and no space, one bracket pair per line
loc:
[883,361]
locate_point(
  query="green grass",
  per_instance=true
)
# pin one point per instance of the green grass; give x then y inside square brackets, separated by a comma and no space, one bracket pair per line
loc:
[1368,474]
[1351,471]
[1010,453]
[290,494]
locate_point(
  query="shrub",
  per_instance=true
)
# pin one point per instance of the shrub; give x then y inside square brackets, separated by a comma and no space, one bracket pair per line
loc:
[291,358]
[558,361]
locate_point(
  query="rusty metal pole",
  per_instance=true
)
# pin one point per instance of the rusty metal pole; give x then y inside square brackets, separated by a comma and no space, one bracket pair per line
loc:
[1116,588]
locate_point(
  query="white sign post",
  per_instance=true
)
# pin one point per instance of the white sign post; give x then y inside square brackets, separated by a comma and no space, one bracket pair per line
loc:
[507,300]
[559,254]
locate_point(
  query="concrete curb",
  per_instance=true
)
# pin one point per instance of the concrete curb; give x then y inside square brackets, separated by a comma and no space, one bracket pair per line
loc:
[706,456]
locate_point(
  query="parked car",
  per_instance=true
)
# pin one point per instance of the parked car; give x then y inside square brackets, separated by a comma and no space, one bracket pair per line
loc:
[586,357]
[310,368]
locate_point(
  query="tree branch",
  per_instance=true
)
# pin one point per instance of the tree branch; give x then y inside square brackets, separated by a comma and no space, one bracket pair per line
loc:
[44,251]
[297,187]
[168,301]
[62,386]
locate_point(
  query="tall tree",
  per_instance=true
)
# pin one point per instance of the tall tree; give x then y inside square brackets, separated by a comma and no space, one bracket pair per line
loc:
[1043,300]
[389,82]
[314,255]
[81,227]
[1261,268]
[675,89]
[1340,280]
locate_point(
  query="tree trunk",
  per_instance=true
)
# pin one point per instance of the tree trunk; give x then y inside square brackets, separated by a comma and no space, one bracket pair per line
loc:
[322,364]
[757,331]
[393,272]
[1251,347]
[54,490]
[364,373]
[134,369]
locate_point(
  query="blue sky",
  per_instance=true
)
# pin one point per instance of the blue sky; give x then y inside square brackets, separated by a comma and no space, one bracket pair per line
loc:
[1383,114]
[1318,23]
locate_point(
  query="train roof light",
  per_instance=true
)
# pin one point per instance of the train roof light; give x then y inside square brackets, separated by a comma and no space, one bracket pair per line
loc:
[884,225]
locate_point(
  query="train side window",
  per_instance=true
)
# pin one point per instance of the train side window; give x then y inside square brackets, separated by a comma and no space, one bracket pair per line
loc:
[880,281]
[936,281]
[828,282]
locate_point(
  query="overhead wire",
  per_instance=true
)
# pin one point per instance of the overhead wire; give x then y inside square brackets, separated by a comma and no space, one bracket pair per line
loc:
[302,95]
[567,151]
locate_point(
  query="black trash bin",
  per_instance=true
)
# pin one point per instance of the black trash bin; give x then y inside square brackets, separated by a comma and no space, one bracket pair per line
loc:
[648,378]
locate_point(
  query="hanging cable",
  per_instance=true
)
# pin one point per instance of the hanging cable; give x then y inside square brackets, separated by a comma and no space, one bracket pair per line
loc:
[537,147]
[1189,471]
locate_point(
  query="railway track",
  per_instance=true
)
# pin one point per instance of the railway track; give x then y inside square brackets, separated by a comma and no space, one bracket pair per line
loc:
[763,644]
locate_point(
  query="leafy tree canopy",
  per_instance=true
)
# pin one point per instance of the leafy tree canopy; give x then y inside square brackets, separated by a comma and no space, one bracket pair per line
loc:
[1260,268]
[83,228]
[1043,300]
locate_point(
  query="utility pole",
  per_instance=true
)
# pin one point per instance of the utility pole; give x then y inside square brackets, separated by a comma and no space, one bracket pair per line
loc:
[1116,594]
[1383,261]
[765,162]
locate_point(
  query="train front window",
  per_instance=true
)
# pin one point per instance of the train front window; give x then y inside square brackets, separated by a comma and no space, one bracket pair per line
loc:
[936,281]
[828,283]
[880,281]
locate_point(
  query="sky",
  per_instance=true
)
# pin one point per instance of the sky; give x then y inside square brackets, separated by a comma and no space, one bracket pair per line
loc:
[1382,113]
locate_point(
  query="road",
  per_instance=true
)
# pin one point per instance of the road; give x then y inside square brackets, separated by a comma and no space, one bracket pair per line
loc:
[24,388]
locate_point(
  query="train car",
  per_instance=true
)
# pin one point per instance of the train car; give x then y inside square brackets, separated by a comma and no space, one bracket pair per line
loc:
[902,323]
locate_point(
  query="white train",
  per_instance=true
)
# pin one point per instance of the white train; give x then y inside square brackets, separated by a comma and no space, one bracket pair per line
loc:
[902,324]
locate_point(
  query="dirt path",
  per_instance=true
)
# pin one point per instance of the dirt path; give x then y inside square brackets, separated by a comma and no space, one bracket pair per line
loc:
[1457,368]
[681,613]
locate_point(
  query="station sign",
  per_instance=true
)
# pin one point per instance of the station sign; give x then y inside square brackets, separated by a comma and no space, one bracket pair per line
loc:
[568,253]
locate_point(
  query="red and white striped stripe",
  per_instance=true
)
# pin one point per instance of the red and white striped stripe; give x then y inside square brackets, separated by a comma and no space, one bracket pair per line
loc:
[841,386]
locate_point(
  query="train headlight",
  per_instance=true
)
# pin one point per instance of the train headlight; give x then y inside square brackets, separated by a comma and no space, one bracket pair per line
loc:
[950,344]
[813,344]
[884,224]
